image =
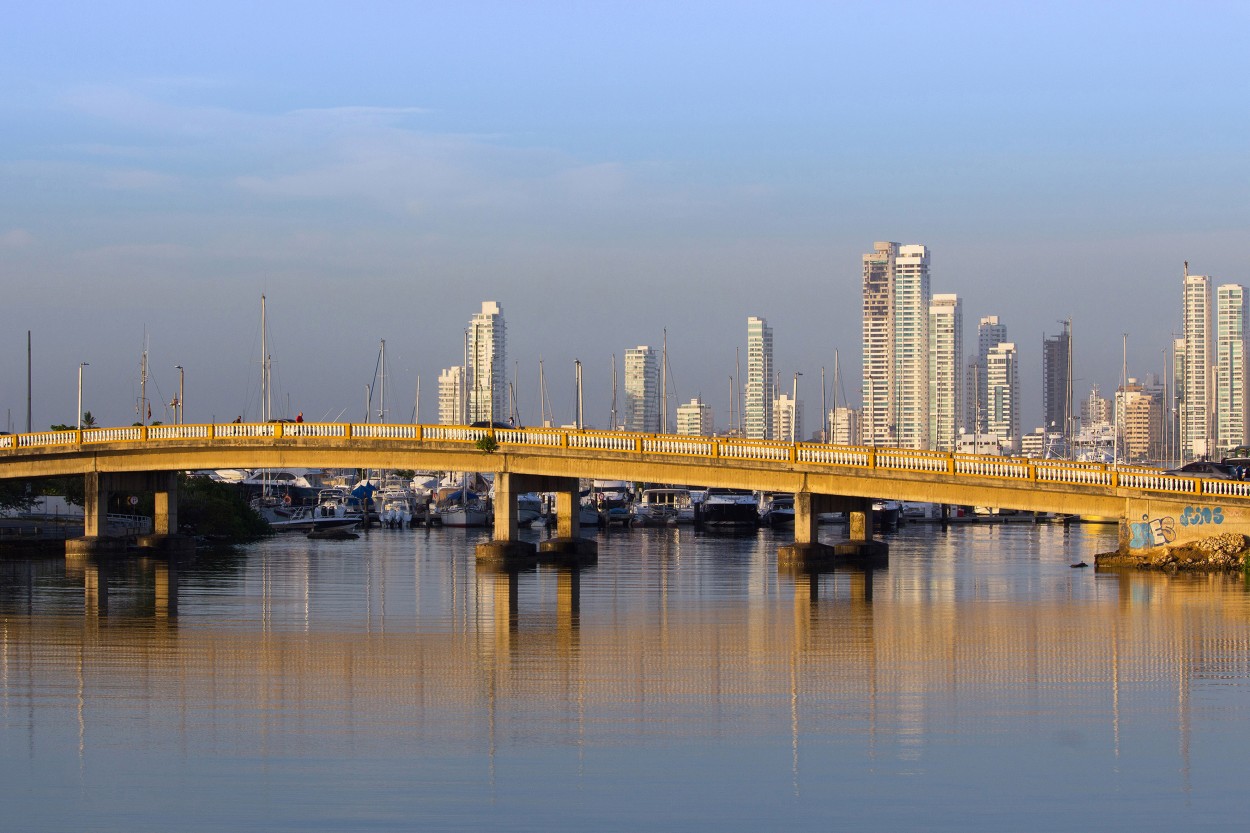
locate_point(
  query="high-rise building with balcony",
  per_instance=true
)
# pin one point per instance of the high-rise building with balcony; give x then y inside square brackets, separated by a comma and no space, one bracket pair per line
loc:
[844,423]
[1003,403]
[487,377]
[1230,367]
[990,333]
[1057,381]
[642,387]
[787,419]
[946,355]
[911,345]
[1195,395]
[451,396]
[757,412]
[878,338]
[695,417]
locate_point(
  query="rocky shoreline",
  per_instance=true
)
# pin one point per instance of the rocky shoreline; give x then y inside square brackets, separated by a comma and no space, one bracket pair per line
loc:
[1225,552]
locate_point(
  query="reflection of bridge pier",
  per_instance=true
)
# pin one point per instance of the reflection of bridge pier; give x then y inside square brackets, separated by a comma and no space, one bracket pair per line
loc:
[499,592]
[807,551]
[100,578]
[99,486]
[565,548]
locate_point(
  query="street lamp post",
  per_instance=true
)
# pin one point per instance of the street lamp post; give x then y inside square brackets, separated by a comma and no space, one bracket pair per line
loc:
[794,407]
[81,365]
[181,413]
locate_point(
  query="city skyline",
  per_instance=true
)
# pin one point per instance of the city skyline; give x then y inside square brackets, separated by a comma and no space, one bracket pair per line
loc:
[377,191]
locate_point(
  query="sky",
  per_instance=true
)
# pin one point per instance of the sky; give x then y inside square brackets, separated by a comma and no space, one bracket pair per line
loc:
[606,172]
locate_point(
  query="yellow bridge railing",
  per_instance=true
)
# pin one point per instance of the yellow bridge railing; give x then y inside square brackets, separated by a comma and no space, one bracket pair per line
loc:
[695,448]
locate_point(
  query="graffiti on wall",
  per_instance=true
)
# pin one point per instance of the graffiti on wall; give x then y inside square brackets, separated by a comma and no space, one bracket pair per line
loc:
[1153,532]
[1202,515]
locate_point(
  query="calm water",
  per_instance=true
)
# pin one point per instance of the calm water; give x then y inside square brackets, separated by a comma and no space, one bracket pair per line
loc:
[979,683]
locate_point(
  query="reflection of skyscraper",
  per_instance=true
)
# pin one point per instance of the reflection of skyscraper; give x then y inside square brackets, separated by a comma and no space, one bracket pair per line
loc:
[1196,393]
[487,391]
[1230,366]
[1057,381]
[946,350]
[757,416]
[642,385]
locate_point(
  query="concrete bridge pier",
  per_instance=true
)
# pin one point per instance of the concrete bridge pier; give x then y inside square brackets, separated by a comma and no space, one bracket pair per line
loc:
[807,552]
[566,548]
[164,539]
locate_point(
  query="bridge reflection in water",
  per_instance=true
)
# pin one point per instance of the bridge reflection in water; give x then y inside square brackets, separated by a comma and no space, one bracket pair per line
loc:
[887,657]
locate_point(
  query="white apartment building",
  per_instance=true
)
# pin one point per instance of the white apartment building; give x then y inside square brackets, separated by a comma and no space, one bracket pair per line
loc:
[911,345]
[946,347]
[642,387]
[878,393]
[1196,393]
[1003,406]
[990,333]
[844,425]
[757,416]
[695,418]
[1230,367]
[787,419]
[451,396]
[487,376]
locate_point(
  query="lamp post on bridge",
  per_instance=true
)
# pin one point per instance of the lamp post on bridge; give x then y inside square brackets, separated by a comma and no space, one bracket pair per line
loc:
[794,407]
[81,365]
[180,413]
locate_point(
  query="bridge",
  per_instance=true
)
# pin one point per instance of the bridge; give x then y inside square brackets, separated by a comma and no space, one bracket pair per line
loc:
[1153,507]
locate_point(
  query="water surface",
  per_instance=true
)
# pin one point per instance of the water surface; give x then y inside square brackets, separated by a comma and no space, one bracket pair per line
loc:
[978,683]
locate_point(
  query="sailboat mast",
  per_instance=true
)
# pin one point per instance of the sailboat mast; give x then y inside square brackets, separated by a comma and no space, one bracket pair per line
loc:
[824,408]
[577,374]
[464,383]
[416,404]
[738,385]
[266,406]
[542,397]
[664,385]
[143,382]
[382,380]
[612,425]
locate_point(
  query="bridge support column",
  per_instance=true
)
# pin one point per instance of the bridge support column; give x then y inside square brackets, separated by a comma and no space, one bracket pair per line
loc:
[506,547]
[164,539]
[94,540]
[808,553]
[568,548]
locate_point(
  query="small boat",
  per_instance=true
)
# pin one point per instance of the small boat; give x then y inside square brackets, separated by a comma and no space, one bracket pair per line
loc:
[664,507]
[778,511]
[302,518]
[729,508]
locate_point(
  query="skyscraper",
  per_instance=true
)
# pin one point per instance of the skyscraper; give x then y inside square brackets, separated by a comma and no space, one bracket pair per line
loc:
[642,386]
[487,383]
[1230,367]
[878,333]
[1196,393]
[695,417]
[757,412]
[911,345]
[990,333]
[787,419]
[1057,381]
[1003,403]
[946,350]
[451,400]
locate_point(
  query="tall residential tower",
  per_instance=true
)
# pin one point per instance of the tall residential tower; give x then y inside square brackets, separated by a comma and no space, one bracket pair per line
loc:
[946,356]
[757,412]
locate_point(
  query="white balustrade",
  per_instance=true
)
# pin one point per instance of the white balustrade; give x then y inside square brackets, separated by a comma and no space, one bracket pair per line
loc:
[833,455]
[912,461]
[1226,488]
[315,430]
[669,445]
[7,440]
[600,442]
[525,436]
[132,433]
[754,451]
[383,431]
[175,432]
[991,467]
[46,438]
[244,430]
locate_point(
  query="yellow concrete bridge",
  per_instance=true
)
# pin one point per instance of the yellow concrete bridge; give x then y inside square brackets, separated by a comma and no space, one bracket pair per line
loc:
[1154,508]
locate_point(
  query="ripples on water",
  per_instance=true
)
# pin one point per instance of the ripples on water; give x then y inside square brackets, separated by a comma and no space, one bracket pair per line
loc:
[978,683]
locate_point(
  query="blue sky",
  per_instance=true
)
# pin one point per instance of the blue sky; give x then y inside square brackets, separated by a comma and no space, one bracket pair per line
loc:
[604,171]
